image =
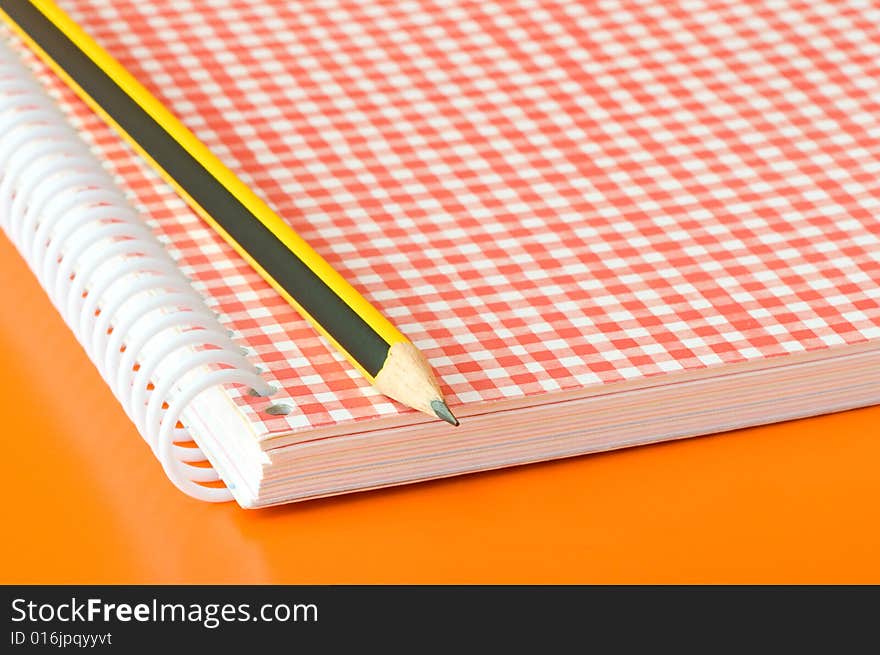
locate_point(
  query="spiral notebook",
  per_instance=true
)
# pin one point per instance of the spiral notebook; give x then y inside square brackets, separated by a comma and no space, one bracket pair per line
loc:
[606,224]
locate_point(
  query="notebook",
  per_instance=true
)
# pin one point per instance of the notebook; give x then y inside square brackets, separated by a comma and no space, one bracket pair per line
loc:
[605,224]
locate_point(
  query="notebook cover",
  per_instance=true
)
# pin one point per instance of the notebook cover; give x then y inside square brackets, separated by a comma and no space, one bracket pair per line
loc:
[544,196]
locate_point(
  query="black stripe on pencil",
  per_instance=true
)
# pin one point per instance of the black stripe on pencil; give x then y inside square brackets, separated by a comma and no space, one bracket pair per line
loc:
[331,311]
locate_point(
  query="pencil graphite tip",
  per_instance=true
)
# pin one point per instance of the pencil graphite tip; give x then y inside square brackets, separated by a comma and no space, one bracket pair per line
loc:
[442,411]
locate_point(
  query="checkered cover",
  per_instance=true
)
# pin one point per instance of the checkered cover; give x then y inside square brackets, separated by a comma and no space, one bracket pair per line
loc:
[544,195]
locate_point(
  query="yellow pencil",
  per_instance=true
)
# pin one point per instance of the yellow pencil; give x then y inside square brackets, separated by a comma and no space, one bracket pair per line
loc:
[367,339]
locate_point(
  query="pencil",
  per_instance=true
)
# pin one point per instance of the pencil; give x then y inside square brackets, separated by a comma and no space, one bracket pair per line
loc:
[321,295]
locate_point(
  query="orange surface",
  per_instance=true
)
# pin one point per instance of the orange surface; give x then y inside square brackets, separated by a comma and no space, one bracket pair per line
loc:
[86,502]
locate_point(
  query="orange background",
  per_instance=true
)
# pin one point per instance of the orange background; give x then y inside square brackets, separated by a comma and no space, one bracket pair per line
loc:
[86,502]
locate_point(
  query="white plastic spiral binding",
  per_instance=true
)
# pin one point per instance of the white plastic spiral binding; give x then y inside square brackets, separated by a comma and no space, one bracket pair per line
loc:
[145,328]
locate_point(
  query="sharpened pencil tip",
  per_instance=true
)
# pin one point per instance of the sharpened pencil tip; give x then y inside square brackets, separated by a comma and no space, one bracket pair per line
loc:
[442,411]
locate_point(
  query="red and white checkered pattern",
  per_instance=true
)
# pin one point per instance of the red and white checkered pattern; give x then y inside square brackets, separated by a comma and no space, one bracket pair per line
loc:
[544,195]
